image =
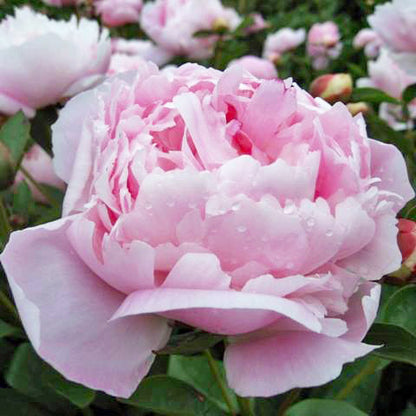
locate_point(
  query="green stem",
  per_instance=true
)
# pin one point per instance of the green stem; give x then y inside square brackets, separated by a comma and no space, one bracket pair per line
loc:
[8,304]
[5,226]
[355,381]
[220,381]
[38,187]
[245,406]
[291,397]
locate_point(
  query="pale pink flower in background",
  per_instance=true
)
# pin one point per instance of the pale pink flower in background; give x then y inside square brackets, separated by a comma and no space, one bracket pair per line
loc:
[118,12]
[370,41]
[260,68]
[239,206]
[395,23]
[39,164]
[171,24]
[323,44]
[143,48]
[122,63]
[386,75]
[283,40]
[43,60]
[258,24]
[61,3]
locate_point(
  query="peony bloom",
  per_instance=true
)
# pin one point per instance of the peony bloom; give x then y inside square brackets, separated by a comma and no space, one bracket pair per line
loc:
[283,40]
[258,24]
[387,76]
[260,68]
[43,60]
[239,206]
[370,41]
[407,243]
[39,164]
[123,63]
[118,12]
[395,24]
[323,44]
[171,24]
[142,48]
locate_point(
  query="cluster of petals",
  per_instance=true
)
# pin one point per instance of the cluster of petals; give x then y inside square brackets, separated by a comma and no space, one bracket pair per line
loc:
[118,12]
[386,75]
[260,68]
[43,60]
[323,44]
[395,24]
[239,206]
[283,40]
[370,41]
[172,24]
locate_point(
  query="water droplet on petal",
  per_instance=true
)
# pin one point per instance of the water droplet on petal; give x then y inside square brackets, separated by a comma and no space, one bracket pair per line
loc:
[235,206]
[241,229]
[310,222]
[289,208]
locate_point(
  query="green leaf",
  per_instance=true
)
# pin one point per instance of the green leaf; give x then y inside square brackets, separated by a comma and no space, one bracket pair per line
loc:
[14,137]
[169,396]
[7,330]
[13,403]
[357,384]
[204,33]
[400,309]
[25,376]
[321,407]
[22,199]
[245,23]
[372,95]
[409,94]
[399,344]
[190,343]
[196,372]
[77,394]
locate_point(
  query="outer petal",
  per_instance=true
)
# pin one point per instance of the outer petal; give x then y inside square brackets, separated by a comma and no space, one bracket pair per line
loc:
[273,365]
[65,309]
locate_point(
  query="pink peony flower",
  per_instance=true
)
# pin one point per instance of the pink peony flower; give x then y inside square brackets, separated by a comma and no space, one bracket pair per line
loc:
[43,60]
[370,41]
[123,63]
[387,76]
[395,23]
[282,41]
[171,24]
[143,48]
[260,68]
[239,206]
[39,164]
[407,243]
[258,24]
[118,12]
[323,44]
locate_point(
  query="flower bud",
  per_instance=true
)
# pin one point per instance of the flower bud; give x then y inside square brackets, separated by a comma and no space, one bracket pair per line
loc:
[332,87]
[220,25]
[357,108]
[407,243]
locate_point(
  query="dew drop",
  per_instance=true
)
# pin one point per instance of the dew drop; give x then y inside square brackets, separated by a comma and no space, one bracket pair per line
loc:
[241,229]
[235,206]
[310,222]
[289,208]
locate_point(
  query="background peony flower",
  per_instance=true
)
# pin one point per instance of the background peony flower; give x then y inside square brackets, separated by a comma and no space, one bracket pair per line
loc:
[395,23]
[258,24]
[240,206]
[171,24]
[283,40]
[61,3]
[39,164]
[118,12]
[43,60]
[260,68]
[387,76]
[407,243]
[143,48]
[370,41]
[323,44]
[122,63]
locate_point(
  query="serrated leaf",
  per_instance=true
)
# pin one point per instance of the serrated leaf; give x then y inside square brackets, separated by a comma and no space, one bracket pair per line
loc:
[409,94]
[190,343]
[77,394]
[321,407]
[372,95]
[399,344]
[196,372]
[169,396]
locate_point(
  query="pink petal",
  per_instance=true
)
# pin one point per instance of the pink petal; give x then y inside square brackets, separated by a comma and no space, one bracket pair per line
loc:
[65,310]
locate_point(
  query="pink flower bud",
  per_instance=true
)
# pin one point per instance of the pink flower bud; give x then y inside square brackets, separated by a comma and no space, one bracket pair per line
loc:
[407,243]
[332,87]
[357,108]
